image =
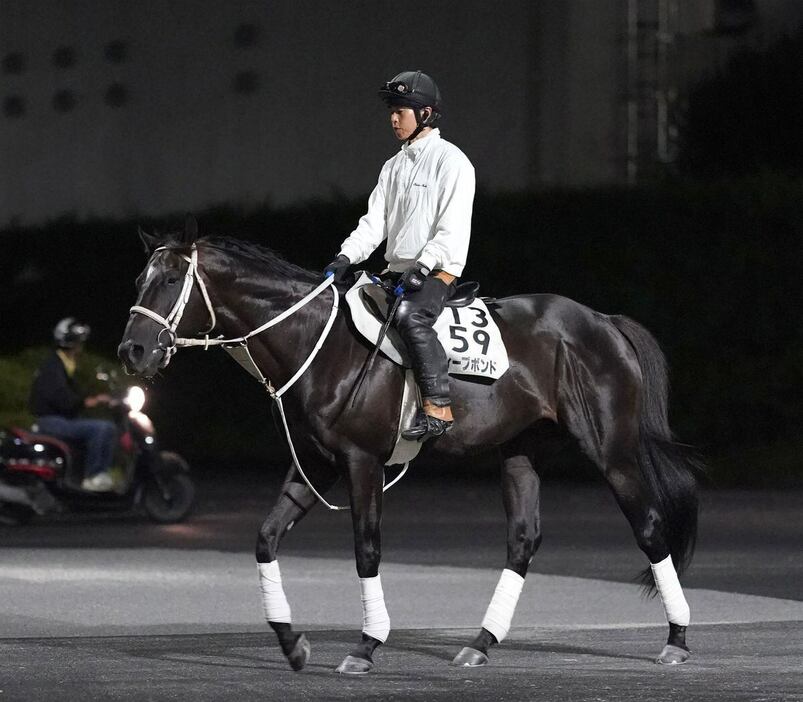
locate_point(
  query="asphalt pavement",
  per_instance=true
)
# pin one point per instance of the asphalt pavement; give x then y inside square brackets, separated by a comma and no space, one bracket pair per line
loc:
[114,607]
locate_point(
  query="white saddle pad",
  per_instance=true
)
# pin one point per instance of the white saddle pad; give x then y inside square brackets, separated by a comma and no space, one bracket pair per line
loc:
[469,335]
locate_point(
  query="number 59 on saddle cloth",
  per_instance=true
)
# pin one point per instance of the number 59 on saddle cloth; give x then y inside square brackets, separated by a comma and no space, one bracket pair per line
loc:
[469,334]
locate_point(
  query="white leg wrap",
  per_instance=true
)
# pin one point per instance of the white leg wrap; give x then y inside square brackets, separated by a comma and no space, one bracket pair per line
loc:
[666,580]
[375,619]
[274,602]
[503,604]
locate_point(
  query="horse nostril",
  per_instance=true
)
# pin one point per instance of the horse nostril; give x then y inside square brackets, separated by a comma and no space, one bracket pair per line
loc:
[130,352]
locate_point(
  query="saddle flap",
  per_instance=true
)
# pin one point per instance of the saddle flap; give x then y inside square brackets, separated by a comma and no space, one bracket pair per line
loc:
[464,294]
[467,331]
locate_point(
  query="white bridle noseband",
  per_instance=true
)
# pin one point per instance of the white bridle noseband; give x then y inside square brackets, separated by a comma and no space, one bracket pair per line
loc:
[238,346]
[171,321]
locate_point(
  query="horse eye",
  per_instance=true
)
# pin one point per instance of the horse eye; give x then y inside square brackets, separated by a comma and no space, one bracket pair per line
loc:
[172,281]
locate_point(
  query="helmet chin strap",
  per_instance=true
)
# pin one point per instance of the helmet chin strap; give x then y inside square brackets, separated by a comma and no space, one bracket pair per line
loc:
[420,122]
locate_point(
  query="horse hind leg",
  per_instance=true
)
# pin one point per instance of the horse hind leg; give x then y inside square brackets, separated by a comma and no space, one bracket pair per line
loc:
[295,500]
[650,485]
[643,512]
[521,496]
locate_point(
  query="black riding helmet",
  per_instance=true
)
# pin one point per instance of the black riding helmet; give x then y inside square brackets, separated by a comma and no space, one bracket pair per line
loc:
[417,90]
[69,333]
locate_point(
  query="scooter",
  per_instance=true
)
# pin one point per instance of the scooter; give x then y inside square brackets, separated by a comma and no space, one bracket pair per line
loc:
[40,474]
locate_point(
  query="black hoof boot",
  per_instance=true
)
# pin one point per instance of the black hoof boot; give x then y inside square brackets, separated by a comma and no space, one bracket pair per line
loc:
[295,647]
[360,661]
[676,652]
[476,654]
[426,427]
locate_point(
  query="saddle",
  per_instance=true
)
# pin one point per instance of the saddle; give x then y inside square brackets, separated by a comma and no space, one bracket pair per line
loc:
[376,297]
[466,328]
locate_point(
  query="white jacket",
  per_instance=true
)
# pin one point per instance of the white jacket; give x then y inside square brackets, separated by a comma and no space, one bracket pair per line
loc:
[422,206]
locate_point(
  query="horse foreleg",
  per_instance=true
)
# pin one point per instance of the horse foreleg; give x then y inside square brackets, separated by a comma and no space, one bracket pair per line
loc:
[295,500]
[520,490]
[366,512]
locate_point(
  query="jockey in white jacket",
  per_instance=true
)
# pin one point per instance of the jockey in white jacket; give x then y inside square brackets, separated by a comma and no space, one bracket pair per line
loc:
[422,207]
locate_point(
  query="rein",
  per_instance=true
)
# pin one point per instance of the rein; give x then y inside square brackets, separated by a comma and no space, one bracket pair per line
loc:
[237,347]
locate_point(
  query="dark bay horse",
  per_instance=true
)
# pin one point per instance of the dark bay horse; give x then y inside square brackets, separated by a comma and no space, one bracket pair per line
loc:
[602,378]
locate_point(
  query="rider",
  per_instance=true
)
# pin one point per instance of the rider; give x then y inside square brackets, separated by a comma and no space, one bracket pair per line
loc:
[56,400]
[422,206]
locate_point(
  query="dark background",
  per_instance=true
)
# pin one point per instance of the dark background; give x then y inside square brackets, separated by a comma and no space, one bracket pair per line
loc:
[705,253]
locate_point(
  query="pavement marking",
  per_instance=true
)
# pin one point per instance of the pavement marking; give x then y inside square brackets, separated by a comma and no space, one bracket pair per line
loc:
[82,592]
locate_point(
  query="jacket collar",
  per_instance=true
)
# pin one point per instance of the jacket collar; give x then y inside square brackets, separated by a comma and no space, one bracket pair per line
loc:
[418,146]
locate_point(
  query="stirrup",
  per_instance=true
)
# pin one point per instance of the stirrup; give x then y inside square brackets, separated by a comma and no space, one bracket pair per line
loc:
[426,427]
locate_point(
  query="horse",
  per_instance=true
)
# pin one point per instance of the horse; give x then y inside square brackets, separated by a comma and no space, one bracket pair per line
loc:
[601,378]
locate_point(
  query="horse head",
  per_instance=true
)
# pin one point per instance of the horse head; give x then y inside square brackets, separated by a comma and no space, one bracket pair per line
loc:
[166,305]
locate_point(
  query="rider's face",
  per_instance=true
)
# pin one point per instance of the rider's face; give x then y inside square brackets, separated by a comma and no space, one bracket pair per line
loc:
[402,121]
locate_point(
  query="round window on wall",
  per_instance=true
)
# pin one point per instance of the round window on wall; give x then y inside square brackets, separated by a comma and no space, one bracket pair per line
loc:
[246,34]
[64,101]
[116,51]
[246,82]
[116,95]
[14,63]
[13,106]
[64,57]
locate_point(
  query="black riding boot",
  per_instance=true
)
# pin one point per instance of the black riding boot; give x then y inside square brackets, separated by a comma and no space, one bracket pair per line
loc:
[426,427]
[414,319]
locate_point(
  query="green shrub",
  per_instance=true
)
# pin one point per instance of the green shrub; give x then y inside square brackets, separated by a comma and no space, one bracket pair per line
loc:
[16,375]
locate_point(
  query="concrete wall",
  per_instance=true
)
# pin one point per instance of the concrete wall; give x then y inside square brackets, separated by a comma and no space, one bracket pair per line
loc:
[313,127]
[533,89]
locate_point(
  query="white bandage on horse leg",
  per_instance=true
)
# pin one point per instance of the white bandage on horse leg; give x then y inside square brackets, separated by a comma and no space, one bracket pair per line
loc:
[666,580]
[375,619]
[503,604]
[274,602]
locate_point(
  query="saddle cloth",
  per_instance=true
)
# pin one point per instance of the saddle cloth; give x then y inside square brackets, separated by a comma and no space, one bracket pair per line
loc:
[469,335]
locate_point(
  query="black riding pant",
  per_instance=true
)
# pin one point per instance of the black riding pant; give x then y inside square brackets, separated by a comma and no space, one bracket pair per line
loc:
[417,313]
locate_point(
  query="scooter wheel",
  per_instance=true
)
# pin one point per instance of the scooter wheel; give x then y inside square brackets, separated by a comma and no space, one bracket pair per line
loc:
[174,503]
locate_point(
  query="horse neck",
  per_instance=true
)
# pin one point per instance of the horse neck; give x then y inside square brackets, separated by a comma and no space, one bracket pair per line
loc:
[256,296]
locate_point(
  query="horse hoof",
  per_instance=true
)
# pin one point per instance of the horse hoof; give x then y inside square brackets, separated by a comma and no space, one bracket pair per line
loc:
[298,657]
[470,658]
[352,665]
[672,655]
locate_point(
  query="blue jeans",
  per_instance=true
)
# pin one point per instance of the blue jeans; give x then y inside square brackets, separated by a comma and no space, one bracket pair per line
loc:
[99,436]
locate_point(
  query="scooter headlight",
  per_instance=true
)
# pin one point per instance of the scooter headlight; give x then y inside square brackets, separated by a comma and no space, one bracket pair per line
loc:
[135,398]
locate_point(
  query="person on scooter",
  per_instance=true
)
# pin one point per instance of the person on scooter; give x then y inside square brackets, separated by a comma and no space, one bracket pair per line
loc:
[422,206]
[56,401]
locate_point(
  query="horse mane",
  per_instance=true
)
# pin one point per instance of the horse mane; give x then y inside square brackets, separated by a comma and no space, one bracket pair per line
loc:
[256,252]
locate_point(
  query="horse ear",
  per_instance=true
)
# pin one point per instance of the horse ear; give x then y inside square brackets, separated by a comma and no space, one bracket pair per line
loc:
[190,229]
[150,241]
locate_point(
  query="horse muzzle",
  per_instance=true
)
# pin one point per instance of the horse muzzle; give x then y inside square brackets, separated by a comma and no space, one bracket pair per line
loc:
[137,360]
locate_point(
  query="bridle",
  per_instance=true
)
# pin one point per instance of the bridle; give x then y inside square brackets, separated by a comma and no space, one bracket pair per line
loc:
[237,347]
[171,321]
[192,277]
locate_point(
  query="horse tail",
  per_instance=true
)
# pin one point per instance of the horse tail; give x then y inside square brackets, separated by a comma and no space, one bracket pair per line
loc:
[670,469]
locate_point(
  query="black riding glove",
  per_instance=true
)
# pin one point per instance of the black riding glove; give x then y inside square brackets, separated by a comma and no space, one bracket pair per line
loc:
[337,268]
[413,278]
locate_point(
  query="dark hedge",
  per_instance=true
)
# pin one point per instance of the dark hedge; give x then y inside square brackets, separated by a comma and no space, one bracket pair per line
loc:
[710,268]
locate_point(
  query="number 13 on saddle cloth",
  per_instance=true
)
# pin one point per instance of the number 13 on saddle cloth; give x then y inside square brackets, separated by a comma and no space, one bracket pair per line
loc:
[469,334]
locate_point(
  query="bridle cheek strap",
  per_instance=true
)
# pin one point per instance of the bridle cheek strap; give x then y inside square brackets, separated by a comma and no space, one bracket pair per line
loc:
[173,319]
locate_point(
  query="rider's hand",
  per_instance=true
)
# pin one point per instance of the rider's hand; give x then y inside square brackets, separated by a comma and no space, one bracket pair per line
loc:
[337,268]
[413,278]
[95,400]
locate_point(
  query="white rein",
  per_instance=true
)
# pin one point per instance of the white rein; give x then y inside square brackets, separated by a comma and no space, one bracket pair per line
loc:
[171,321]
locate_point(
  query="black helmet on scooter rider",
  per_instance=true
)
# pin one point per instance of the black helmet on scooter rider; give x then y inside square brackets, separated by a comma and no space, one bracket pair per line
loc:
[417,90]
[70,333]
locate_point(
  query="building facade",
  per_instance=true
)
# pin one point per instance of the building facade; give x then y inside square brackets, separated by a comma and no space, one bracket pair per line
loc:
[114,108]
